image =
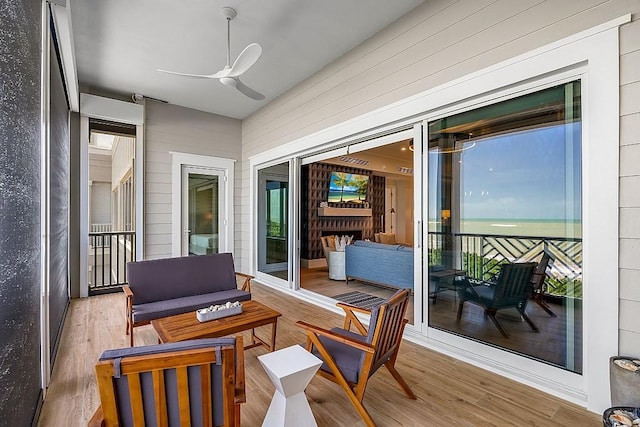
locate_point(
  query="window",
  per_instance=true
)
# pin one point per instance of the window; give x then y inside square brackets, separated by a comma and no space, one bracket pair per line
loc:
[505,187]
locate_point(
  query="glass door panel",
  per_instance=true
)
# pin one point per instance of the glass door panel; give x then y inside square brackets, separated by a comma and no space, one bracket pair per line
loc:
[505,187]
[201,211]
[273,221]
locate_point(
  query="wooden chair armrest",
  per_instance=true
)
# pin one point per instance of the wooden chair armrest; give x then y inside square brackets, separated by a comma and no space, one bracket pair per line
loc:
[127,291]
[246,285]
[240,390]
[349,307]
[97,419]
[350,317]
[360,345]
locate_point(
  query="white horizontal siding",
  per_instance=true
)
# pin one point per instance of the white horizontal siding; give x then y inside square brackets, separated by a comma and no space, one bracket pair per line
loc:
[173,128]
[630,187]
[629,126]
[435,43]
[99,168]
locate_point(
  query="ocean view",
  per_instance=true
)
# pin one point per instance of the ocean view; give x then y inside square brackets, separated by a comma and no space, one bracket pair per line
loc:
[518,227]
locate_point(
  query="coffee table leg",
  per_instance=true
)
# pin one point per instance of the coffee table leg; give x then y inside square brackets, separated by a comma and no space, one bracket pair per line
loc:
[273,334]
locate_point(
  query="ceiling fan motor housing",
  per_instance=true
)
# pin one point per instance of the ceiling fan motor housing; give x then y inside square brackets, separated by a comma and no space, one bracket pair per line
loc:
[228,81]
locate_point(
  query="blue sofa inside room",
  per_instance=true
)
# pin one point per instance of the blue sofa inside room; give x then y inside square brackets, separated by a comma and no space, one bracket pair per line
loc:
[380,264]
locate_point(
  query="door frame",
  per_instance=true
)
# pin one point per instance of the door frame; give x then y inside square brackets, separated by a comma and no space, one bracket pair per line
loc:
[227,167]
[262,266]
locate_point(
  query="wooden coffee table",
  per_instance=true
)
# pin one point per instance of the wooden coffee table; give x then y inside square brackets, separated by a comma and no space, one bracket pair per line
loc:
[186,326]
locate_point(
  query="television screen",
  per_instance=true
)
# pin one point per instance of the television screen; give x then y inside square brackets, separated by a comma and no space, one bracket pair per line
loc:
[348,187]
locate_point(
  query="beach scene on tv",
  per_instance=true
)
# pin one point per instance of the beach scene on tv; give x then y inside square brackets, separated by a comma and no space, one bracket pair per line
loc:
[348,187]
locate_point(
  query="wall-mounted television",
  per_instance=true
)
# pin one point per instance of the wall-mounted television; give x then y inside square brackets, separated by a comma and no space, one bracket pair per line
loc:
[347,187]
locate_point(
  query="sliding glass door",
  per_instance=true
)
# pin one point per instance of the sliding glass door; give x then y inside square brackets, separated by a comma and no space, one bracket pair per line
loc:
[273,221]
[504,188]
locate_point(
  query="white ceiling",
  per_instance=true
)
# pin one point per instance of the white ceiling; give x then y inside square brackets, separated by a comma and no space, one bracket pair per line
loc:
[119,44]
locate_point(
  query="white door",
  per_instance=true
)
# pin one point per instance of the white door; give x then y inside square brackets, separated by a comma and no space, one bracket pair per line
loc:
[203,221]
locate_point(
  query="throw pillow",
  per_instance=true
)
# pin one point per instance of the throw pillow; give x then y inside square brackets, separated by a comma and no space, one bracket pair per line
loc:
[388,238]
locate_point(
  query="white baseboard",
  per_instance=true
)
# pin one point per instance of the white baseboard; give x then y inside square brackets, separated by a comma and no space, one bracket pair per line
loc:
[313,263]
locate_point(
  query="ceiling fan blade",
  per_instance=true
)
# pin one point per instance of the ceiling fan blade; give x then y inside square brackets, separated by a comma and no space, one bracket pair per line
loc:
[253,94]
[197,76]
[245,60]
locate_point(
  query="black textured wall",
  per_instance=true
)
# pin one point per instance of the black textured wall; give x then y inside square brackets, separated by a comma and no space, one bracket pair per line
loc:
[20,32]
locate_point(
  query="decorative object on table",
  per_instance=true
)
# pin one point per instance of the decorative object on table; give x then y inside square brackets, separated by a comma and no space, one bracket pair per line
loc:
[624,375]
[324,204]
[621,416]
[290,370]
[342,242]
[219,311]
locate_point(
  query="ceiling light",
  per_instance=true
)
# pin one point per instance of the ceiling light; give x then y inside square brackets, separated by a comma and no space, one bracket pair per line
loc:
[411,145]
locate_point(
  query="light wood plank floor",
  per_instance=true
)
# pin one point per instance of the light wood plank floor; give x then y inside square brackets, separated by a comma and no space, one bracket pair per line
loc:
[450,392]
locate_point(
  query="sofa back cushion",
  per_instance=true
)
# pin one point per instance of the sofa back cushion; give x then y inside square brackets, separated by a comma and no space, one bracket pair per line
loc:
[375,245]
[164,279]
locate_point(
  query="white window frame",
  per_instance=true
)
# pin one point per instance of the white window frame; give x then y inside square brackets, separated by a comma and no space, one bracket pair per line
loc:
[593,56]
[227,166]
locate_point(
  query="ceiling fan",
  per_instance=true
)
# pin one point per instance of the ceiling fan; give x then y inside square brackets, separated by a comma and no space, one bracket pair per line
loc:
[230,74]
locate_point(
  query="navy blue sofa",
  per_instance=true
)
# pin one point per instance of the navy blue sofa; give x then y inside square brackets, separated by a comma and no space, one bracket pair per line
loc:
[166,287]
[380,264]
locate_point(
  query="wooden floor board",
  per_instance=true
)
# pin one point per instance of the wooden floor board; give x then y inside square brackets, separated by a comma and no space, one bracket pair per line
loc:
[450,392]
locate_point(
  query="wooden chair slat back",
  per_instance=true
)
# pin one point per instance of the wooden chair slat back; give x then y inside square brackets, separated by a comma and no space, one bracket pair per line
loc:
[160,398]
[135,396]
[156,366]
[182,377]
[514,282]
[390,326]
[540,272]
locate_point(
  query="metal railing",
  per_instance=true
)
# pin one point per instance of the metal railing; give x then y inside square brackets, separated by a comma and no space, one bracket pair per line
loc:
[481,256]
[109,253]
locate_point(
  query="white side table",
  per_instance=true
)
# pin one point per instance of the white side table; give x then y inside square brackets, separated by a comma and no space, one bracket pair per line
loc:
[336,265]
[290,370]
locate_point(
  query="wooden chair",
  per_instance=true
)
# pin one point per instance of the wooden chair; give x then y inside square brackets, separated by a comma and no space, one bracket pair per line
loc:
[511,290]
[351,358]
[197,383]
[537,281]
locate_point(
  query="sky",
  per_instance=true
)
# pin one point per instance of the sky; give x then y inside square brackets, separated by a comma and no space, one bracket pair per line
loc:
[521,175]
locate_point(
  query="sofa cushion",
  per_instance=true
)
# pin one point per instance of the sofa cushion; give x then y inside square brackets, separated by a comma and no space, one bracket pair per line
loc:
[387,238]
[367,244]
[157,309]
[169,278]
[388,265]
[348,359]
